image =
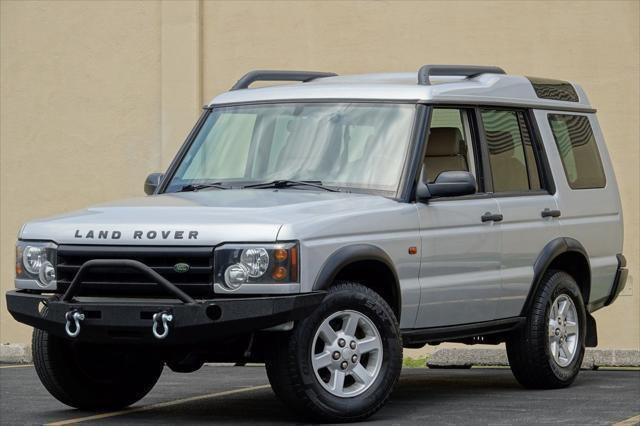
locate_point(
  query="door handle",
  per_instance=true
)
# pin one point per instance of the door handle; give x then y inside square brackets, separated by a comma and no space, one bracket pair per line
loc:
[550,213]
[491,217]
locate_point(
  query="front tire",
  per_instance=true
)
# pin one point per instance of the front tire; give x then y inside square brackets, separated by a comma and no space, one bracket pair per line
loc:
[93,377]
[342,362]
[547,353]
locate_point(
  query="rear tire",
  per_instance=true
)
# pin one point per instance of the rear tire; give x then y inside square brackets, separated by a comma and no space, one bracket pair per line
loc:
[306,375]
[547,353]
[93,377]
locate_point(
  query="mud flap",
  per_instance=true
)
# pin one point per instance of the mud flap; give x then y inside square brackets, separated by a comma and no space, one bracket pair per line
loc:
[591,339]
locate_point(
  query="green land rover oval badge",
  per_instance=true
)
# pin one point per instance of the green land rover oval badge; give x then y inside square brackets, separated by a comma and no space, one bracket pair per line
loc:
[181,267]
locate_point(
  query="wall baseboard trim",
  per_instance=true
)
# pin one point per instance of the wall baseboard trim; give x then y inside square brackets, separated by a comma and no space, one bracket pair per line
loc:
[15,353]
[466,358]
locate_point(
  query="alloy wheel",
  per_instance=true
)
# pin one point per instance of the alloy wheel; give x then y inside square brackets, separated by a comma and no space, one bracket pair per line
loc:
[563,330]
[347,353]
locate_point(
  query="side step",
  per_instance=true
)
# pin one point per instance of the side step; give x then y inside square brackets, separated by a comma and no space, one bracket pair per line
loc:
[455,332]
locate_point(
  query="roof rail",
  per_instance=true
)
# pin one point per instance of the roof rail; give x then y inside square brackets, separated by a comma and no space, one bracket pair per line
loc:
[468,71]
[273,75]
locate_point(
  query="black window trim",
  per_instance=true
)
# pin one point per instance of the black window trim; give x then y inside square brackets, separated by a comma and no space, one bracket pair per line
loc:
[481,149]
[484,182]
[537,142]
[417,148]
[549,105]
[484,151]
[544,171]
[524,151]
[182,152]
[415,154]
[547,183]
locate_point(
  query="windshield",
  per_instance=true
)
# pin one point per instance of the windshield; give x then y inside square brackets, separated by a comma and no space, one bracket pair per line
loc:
[344,145]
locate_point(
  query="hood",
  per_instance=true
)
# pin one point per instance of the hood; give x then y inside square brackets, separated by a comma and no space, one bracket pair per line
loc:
[207,217]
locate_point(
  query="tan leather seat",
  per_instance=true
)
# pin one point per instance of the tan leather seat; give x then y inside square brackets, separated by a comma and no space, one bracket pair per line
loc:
[446,151]
[509,173]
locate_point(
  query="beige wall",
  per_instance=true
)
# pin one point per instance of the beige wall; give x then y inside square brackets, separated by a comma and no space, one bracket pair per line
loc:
[97,94]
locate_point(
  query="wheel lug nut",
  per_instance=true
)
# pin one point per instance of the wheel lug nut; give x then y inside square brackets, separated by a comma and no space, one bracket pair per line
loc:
[342,343]
[352,345]
[344,365]
[336,355]
[354,359]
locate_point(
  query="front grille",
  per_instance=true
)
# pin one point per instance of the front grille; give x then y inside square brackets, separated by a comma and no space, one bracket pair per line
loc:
[197,281]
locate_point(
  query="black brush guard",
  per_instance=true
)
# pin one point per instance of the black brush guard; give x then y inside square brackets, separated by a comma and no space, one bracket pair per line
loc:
[182,320]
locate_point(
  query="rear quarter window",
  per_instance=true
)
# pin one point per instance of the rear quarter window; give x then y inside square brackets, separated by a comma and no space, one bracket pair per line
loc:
[578,151]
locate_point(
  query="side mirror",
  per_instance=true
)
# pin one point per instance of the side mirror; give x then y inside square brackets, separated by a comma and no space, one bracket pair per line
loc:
[152,182]
[447,184]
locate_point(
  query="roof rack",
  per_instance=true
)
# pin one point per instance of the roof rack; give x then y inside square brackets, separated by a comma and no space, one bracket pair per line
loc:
[273,75]
[467,71]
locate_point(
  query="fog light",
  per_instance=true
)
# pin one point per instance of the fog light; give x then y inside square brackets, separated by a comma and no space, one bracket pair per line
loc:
[47,273]
[236,275]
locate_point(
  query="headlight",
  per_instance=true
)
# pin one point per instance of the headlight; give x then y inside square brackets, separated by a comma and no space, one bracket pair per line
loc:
[256,260]
[239,264]
[36,262]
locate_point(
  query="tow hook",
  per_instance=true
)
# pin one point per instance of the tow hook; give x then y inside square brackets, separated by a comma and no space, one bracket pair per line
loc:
[164,318]
[74,316]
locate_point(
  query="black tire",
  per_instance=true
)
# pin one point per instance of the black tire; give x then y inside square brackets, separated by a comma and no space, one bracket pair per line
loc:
[93,377]
[528,349]
[290,370]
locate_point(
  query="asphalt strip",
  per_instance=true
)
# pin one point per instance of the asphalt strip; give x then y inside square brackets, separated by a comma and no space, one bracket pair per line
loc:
[155,406]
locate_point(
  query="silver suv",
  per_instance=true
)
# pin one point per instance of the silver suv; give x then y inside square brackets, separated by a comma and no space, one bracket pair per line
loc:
[322,226]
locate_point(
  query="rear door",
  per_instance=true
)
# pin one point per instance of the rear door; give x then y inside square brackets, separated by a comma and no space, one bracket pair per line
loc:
[523,190]
[591,211]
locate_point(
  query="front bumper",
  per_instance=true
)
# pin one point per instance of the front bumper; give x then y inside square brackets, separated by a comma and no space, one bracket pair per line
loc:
[131,320]
[178,320]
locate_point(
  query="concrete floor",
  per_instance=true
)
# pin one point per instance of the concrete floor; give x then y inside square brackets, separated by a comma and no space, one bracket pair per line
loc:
[237,395]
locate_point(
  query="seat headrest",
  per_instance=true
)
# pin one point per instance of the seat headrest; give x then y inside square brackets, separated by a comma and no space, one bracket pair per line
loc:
[444,142]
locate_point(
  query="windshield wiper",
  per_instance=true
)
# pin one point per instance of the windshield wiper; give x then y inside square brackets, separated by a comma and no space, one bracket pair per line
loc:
[199,186]
[284,183]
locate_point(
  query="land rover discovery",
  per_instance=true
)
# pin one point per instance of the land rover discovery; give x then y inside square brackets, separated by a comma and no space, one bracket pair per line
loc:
[320,227]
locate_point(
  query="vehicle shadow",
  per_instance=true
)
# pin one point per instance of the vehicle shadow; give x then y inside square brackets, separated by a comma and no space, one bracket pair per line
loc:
[423,396]
[417,389]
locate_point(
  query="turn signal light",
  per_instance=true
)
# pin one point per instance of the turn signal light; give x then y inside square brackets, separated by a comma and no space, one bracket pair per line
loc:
[279,273]
[280,254]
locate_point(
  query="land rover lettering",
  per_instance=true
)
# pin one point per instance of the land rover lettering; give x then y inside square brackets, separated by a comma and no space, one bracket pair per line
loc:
[102,235]
[136,235]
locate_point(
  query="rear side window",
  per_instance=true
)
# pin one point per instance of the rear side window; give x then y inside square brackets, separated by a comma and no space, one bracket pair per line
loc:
[511,155]
[578,151]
